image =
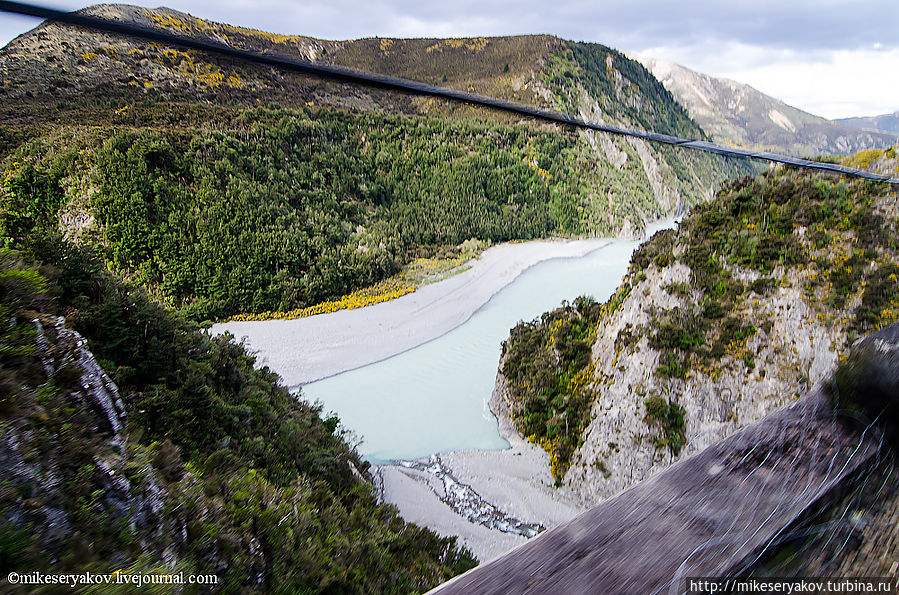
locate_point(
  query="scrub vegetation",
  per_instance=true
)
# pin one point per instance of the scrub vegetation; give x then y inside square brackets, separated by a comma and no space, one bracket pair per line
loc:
[835,238]
[827,230]
[224,471]
[547,364]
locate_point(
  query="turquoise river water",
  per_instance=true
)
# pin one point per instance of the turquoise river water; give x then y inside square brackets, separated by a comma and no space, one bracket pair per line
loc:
[434,398]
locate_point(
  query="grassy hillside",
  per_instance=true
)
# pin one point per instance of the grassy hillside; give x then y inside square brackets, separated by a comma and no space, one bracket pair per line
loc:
[198,463]
[220,206]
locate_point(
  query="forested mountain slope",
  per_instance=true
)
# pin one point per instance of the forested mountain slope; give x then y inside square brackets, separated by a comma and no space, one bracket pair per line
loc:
[132,441]
[228,188]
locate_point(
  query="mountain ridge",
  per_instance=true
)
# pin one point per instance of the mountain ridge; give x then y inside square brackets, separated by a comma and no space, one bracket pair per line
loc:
[736,113]
[401,176]
[888,123]
[485,65]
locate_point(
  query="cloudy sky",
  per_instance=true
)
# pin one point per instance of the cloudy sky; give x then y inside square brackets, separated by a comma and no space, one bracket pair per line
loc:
[834,58]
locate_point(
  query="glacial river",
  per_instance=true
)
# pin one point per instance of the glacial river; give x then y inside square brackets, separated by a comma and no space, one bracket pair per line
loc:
[434,398]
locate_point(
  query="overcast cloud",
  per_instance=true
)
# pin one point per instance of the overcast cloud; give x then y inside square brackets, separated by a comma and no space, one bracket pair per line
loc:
[834,58]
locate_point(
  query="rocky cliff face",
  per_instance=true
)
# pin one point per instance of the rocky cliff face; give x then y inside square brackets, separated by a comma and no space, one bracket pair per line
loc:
[67,460]
[622,447]
[747,305]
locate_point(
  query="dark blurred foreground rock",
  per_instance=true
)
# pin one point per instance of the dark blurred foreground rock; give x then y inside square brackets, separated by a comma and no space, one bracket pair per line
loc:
[716,513]
[868,381]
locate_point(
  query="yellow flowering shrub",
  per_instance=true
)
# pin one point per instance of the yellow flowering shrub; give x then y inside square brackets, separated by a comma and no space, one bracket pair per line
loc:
[386,290]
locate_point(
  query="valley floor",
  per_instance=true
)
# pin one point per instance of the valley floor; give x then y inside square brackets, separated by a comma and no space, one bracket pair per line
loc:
[514,483]
[473,494]
[304,350]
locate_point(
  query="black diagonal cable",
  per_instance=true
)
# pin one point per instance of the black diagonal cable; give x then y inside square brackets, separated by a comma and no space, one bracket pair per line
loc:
[371,79]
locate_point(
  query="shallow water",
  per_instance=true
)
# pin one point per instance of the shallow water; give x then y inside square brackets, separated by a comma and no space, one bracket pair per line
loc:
[434,398]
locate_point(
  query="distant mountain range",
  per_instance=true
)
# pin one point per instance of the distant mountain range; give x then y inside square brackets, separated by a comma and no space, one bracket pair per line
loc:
[883,123]
[735,113]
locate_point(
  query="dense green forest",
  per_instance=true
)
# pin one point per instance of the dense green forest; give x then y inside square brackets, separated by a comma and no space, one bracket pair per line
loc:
[292,207]
[287,208]
[224,471]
